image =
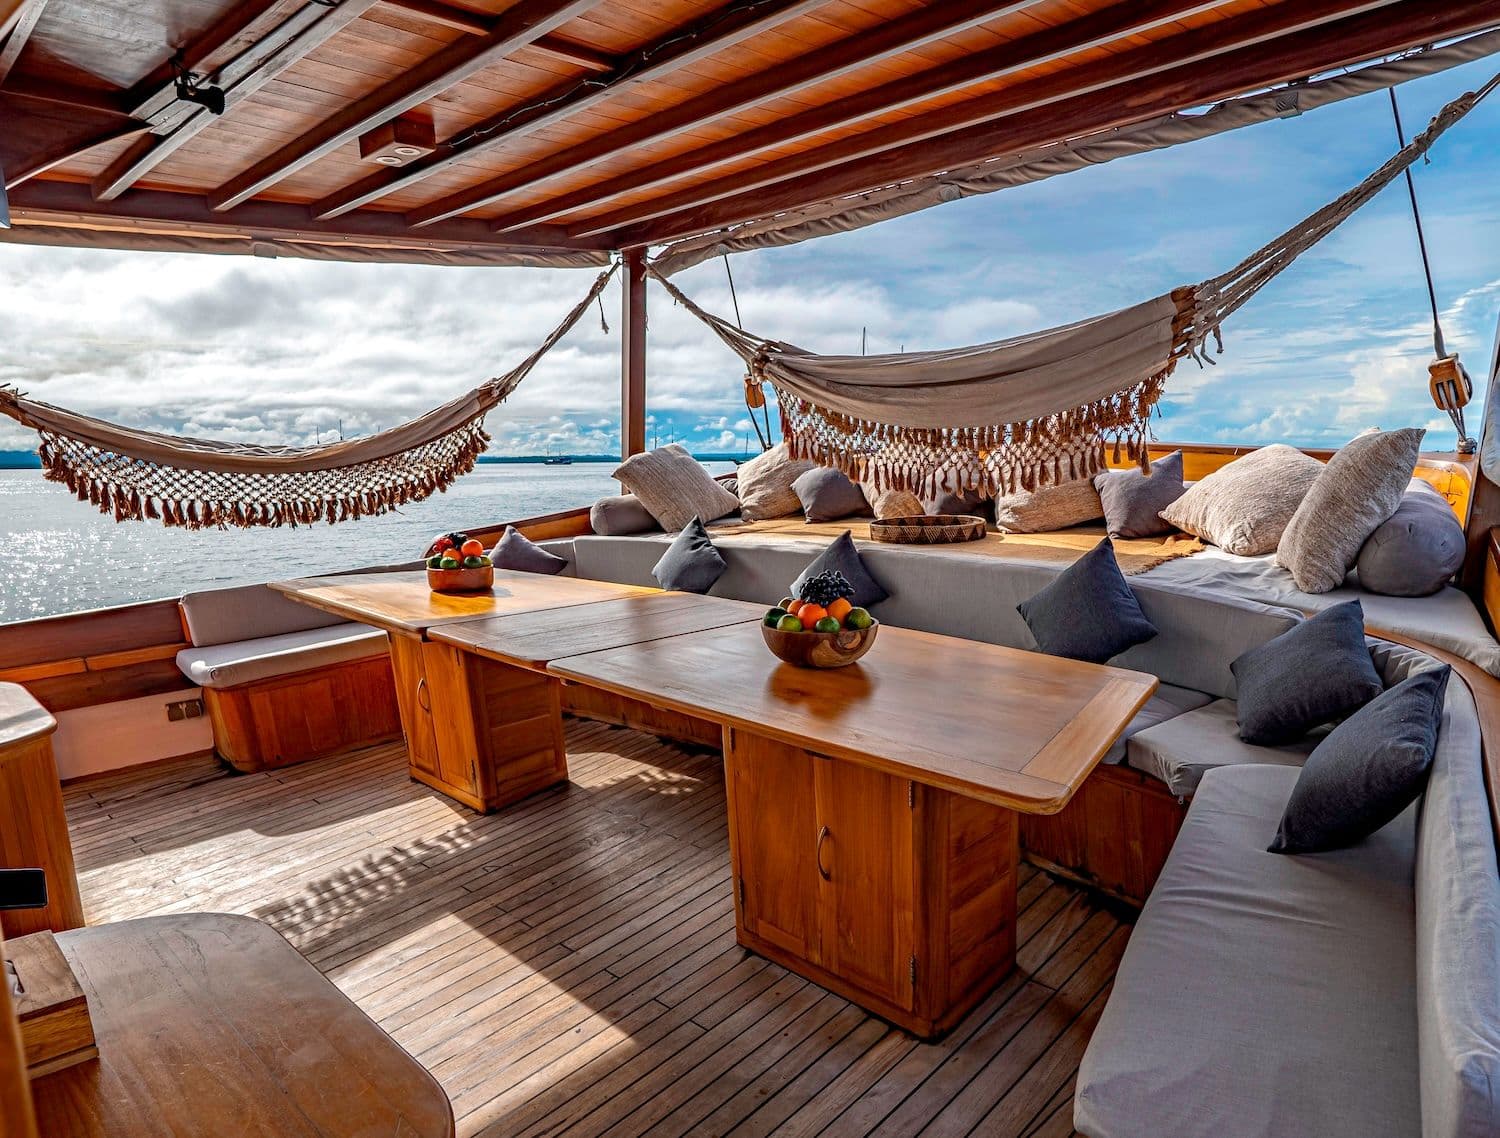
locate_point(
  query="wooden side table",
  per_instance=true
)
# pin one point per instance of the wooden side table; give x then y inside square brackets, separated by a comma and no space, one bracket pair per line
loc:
[33,826]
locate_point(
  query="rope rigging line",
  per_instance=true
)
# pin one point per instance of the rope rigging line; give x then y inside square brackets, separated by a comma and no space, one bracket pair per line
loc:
[1033,410]
[136,475]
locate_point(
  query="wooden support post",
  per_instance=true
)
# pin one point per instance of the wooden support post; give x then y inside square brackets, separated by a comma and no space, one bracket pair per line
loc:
[633,354]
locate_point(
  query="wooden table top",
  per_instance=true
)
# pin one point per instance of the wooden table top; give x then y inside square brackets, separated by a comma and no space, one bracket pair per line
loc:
[1019,729]
[22,718]
[402,602]
[533,639]
[210,1024]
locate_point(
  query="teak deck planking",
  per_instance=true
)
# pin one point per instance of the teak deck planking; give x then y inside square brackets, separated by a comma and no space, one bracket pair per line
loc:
[568,965]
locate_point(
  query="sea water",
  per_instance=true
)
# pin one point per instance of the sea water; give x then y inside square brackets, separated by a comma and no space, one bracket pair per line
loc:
[60,555]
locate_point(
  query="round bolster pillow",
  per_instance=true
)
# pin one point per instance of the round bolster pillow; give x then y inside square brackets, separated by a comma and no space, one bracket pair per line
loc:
[1416,550]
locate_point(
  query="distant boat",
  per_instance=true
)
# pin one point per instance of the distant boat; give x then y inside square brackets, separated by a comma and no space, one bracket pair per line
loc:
[558,460]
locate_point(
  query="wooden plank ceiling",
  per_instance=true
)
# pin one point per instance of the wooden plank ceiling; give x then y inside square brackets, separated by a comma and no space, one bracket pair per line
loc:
[603,124]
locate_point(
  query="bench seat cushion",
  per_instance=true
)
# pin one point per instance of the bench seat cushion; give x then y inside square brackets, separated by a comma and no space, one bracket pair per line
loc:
[245,661]
[1168,702]
[1180,749]
[1236,1012]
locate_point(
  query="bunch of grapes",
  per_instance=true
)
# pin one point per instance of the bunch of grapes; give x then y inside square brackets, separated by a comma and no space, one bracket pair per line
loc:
[824,588]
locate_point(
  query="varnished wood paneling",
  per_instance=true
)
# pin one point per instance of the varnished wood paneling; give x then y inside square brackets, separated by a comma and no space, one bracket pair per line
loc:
[17,1119]
[308,715]
[607,707]
[34,834]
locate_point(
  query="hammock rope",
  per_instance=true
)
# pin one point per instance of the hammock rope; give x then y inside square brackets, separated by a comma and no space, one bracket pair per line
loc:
[136,475]
[1034,410]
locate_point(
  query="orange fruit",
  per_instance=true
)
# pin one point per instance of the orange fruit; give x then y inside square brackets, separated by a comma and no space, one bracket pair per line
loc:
[472,548]
[809,614]
[840,609]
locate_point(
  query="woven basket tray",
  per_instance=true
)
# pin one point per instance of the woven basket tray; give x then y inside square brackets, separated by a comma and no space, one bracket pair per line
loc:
[928,529]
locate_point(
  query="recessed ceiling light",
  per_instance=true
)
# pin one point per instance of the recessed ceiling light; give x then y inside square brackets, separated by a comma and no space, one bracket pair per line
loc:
[388,160]
[408,151]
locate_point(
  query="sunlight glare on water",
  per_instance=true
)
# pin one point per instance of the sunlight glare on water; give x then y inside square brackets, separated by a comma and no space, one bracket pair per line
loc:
[60,555]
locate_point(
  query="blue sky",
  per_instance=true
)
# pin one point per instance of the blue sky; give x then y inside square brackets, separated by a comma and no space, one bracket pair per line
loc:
[283,351]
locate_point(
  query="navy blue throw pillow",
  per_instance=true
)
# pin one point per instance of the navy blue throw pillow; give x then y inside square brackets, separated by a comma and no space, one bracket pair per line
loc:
[691,563]
[516,551]
[843,555]
[1371,767]
[1312,674]
[1089,612]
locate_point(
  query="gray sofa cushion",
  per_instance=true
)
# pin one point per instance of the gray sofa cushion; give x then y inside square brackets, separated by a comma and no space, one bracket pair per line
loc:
[1458,936]
[1180,751]
[828,495]
[225,616]
[1166,703]
[620,516]
[691,563]
[1415,551]
[245,661]
[1133,500]
[516,551]
[1235,1012]
[843,555]
[1088,612]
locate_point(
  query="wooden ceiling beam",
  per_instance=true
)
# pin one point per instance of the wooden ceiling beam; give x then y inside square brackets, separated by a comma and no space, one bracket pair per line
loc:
[1082,101]
[66,94]
[521,24]
[293,39]
[37,164]
[678,48]
[478,24]
[869,46]
[158,211]
[1093,30]
[15,32]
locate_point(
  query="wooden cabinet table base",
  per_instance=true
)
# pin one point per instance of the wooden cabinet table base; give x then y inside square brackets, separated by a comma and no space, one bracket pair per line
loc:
[873,809]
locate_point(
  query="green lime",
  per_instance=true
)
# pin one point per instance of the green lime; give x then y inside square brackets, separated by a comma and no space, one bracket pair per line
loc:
[858,618]
[773,616]
[448,563]
[789,623]
[435,562]
[827,624]
[473,562]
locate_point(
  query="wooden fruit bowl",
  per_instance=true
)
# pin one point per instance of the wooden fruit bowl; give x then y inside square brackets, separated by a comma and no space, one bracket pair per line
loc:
[461,580]
[820,649]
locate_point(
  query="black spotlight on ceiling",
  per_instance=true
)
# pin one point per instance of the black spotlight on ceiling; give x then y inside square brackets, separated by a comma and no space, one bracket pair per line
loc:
[192,89]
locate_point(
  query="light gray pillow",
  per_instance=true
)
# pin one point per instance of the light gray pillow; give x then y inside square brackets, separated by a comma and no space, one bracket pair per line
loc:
[516,551]
[1359,488]
[621,516]
[1415,551]
[1244,507]
[1049,508]
[1133,500]
[765,486]
[675,487]
[827,495]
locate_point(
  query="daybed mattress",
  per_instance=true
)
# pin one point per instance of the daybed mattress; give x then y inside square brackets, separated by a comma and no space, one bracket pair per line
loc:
[1447,619]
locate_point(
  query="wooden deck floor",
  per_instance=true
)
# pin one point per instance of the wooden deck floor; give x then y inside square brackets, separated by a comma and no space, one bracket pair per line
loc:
[568,966]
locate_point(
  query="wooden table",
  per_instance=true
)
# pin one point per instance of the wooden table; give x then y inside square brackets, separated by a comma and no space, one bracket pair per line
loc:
[209,1024]
[483,735]
[872,809]
[33,826]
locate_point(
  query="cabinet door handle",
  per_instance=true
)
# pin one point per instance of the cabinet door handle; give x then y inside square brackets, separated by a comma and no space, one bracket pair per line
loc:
[424,704]
[823,835]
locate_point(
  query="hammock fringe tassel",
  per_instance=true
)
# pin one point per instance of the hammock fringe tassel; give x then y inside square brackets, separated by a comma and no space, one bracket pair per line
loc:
[992,460]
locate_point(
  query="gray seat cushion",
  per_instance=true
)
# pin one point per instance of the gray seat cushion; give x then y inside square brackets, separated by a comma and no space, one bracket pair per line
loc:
[1180,750]
[225,616]
[245,661]
[1167,703]
[1236,1012]
[1458,936]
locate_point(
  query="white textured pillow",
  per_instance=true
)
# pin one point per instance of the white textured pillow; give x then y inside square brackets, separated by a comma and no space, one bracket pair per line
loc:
[1358,490]
[674,487]
[1050,508]
[894,503]
[765,485]
[1244,507]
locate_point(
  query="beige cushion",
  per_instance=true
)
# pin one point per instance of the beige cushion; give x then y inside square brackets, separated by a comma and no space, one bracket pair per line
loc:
[229,665]
[894,503]
[766,485]
[675,487]
[1053,507]
[1244,507]
[247,612]
[1359,488]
